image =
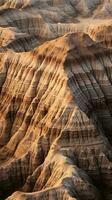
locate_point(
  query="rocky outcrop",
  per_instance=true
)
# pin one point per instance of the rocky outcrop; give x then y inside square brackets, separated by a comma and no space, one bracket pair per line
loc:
[85,8]
[48,143]
[55,101]
[29,24]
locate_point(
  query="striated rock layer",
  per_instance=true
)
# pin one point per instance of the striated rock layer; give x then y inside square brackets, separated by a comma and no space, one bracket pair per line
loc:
[55,100]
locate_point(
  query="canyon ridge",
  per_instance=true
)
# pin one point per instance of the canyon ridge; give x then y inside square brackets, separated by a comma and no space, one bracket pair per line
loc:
[55,99]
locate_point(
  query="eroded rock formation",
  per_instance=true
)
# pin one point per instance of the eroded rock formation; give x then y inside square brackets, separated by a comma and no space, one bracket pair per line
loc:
[55,100]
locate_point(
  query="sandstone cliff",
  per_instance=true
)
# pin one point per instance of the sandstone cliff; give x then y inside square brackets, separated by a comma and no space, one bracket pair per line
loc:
[55,100]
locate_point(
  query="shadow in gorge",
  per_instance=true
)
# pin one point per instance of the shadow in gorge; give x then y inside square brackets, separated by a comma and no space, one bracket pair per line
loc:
[5,193]
[98,183]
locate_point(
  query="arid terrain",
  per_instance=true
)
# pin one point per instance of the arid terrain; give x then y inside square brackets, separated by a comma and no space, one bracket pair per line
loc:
[56,99]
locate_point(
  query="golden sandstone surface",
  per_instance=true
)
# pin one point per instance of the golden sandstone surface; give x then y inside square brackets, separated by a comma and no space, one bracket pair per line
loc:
[56,99]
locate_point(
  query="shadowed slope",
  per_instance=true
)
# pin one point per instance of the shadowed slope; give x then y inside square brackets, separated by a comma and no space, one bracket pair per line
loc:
[55,100]
[29,23]
[50,148]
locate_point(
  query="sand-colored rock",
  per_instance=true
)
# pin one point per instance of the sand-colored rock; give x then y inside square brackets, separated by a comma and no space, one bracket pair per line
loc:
[55,100]
[31,22]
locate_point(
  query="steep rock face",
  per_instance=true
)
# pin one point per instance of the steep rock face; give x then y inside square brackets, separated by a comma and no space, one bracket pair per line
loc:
[97,8]
[55,100]
[28,24]
[50,149]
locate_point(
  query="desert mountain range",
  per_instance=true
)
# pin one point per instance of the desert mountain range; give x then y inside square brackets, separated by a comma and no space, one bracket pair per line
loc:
[55,100]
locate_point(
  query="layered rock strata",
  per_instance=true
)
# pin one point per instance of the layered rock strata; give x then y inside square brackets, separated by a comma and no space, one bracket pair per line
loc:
[55,101]
[50,140]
